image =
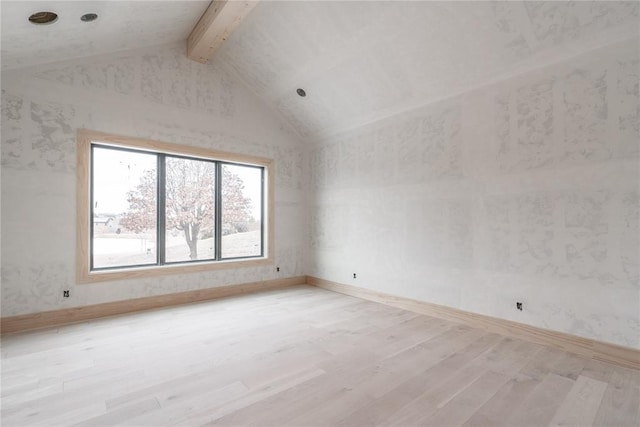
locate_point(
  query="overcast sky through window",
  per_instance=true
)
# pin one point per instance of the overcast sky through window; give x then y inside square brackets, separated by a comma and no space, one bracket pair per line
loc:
[116,172]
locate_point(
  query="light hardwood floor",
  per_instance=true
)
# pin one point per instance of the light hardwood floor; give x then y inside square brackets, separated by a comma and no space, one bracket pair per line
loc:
[301,356]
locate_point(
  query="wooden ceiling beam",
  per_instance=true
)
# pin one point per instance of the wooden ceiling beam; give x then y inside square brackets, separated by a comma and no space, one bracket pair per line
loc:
[214,27]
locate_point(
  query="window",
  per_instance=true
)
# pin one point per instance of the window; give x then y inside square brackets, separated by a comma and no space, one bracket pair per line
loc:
[148,208]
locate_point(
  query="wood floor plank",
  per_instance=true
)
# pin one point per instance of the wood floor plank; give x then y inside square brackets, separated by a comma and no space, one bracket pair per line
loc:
[177,406]
[125,412]
[502,404]
[300,356]
[446,379]
[510,356]
[543,364]
[621,401]
[353,367]
[37,390]
[390,372]
[215,411]
[568,365]
[428,403]
[43,409]
[580,406]
[598,370]
[542,403]
[429,363]
[462,406]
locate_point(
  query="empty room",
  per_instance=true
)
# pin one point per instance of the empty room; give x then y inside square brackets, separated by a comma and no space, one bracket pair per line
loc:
[320,213]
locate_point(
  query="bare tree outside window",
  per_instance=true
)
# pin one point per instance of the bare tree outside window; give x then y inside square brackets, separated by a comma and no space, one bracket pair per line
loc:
[190,210]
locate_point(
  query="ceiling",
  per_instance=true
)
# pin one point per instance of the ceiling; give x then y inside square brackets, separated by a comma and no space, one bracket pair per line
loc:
[361,61]
[358,61]
[121,25]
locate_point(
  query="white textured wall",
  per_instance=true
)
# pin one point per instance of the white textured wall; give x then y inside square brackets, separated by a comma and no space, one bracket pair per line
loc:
[153,93]
[524,190]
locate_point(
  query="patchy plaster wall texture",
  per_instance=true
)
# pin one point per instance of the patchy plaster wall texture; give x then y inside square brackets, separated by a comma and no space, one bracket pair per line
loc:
[152,93]
[524,190]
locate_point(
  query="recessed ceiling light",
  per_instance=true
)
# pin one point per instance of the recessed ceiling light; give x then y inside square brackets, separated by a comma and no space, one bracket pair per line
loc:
[301,92]
[43,18]
[88,17]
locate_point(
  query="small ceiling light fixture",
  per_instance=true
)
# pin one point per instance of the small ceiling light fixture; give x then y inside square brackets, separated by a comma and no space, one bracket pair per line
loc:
[301,92]
[88,17]
[43,18]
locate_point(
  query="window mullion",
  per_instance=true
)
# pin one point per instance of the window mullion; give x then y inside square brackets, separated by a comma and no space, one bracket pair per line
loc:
[161,223]
[262,212]
[91,207]
[218,210]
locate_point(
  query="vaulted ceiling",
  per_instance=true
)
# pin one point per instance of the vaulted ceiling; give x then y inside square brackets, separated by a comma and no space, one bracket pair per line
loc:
[358,61]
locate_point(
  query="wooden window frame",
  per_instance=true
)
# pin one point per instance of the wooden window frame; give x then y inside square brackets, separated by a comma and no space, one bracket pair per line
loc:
[84,274]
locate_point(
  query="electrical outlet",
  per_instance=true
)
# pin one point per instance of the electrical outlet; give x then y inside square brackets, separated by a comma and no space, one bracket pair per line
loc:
[65,294]
[519,306]
[354,275]
[277,268]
